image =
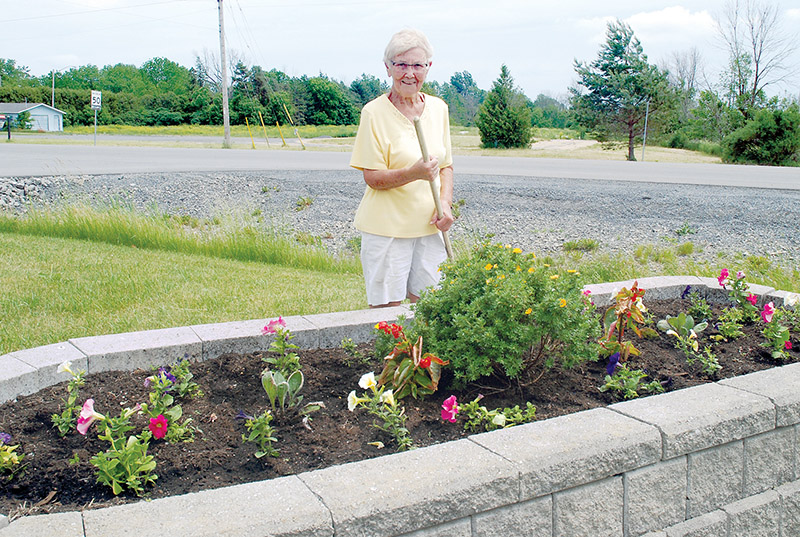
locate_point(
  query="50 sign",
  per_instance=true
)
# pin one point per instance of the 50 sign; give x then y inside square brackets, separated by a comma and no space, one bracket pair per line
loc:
[96,100]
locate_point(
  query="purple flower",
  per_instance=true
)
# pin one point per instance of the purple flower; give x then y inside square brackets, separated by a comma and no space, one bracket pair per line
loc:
[613,362]
[5,438]
[166,374]
[686,292]
[242,416]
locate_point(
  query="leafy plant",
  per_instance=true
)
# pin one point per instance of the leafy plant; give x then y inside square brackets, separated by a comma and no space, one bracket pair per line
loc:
[382,404]
[581,245]
[775,333]
[162,403]
[730,323]
[284,393]
[627,312]
[125,464]
[10,460]
[406,368]
[261,433]
[183,383]
[628,382]
[738,291]
[352,351]
[685,229]
[66,421]
[284,359]
[683,325]
[303,202]
[699,308]
[501,312]
[479,417]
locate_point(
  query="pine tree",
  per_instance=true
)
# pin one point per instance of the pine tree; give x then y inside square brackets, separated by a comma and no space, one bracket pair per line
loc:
[504,119]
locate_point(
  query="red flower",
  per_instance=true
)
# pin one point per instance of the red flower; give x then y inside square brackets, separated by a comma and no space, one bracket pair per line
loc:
[425,363]
[158,426]
[787,345]
[752,298]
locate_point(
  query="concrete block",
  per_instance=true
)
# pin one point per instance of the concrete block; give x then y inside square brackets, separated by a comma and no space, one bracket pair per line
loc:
[716,478]
[279,507]
[47,358]
[61,524]
[696,418]
[570,450]
[357,325]
[655,496]
[139,350]
[714,524]
[593,510]
[459,528]
[413,490]
[3,521]
[666,287]
[713,292]
[769,460]
[780,384]
[533,518]
[243,337]
[17,378]
[755,516]
[790,506]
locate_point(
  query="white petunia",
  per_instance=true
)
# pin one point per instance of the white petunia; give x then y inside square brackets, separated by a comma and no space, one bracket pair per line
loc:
[368,381]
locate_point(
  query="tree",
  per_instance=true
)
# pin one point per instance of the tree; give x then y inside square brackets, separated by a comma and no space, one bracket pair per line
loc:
[549,113]
[772,137]
[504,120]
[620,87]
[12,74]
[368,87]
[328,103]
[758,52]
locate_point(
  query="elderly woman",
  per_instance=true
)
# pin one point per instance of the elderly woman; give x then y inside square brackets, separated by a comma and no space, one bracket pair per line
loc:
[401,247]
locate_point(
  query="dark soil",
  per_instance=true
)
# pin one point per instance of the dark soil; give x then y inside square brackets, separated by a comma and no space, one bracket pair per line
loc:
[231,383]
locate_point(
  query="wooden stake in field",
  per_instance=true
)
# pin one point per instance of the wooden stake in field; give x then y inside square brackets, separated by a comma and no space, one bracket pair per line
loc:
[434,191]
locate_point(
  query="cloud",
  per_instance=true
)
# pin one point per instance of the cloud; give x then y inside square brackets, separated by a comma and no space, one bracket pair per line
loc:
[793,14]
[676,27]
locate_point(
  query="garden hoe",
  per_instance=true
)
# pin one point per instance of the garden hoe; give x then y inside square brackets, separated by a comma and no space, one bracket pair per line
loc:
[434,190]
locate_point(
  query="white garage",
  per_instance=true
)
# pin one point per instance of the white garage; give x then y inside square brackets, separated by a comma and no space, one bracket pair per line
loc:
[43,117]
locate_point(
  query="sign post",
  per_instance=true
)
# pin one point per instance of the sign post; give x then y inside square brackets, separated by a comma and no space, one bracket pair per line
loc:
[96,102]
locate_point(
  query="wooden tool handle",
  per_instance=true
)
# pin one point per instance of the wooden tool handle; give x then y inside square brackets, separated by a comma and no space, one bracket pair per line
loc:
[434,191]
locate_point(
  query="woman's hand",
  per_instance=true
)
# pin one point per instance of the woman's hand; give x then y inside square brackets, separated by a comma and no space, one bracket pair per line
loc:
[425,171]
[443,223]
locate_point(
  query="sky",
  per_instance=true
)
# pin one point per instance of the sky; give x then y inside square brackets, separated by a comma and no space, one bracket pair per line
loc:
[538,40]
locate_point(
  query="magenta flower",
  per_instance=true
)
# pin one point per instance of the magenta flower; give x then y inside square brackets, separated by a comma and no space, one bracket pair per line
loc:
[723,275]
[88,416]
[768,312]
[787,345]
[450,409]
[751,298]
[158,426]
[740,275]
[272,326]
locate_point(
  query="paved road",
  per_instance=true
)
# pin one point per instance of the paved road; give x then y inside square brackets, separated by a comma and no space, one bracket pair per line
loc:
[18,159]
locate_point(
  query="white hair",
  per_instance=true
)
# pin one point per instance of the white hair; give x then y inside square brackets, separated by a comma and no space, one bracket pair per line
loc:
[405,40]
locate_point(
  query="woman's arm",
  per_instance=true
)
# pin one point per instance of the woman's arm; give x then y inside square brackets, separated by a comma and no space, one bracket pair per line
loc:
[446,199]
[419,171]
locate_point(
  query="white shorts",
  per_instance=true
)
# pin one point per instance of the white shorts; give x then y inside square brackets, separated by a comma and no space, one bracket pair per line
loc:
[394,268]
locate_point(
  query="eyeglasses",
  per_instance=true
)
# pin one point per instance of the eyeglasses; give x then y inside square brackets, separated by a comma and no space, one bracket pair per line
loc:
[416,67]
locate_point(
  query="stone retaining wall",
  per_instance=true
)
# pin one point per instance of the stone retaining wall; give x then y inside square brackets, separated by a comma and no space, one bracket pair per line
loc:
[720,459]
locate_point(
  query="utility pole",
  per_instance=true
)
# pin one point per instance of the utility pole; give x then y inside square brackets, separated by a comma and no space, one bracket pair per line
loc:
[226,117]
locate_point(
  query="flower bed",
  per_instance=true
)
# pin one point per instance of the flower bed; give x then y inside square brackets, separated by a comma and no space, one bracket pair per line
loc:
[424,416]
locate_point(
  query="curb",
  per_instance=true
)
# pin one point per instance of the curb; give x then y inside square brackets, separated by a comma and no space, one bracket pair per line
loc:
[521,464]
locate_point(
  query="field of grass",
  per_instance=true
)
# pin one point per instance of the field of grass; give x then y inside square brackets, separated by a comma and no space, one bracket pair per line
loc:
[80,272]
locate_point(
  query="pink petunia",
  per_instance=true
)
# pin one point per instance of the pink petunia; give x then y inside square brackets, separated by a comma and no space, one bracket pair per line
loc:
[751,298]
[768,312]
[450,409]
[739,275]
[272,326]
[158,426]
[723,275]
[88,416]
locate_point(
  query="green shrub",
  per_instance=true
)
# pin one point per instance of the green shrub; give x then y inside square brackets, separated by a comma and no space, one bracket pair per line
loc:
[502,312]
[772,137]
[503,119]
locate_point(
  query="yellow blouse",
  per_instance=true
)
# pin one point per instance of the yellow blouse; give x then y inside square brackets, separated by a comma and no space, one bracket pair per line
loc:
[387,140]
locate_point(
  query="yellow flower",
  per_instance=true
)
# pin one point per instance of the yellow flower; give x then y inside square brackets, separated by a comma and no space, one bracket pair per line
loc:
[488,266]
[547,265]
[554,277]
[572,271]
[501,277]
[531,269]
[516,251]
[519,268]
[562,302]
[528,311]
[508,246]
[488,281]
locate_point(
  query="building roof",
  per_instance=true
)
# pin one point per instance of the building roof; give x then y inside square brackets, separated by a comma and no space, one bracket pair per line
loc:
[16,108]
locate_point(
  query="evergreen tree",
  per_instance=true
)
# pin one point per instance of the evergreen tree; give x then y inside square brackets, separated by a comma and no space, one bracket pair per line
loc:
[615,89]
[504,119]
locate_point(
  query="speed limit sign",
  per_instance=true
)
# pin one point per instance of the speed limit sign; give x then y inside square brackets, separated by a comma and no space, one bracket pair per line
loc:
[96,100]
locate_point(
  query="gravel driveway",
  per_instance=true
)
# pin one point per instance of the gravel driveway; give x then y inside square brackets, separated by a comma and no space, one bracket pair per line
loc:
[536,214]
